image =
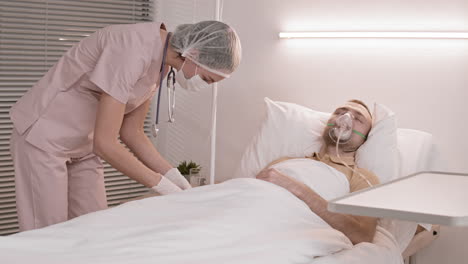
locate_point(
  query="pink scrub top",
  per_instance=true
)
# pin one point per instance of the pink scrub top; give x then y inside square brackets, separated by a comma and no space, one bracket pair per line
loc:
[58,113]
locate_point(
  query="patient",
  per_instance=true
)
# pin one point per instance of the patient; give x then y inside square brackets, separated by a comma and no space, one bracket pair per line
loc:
[357,228]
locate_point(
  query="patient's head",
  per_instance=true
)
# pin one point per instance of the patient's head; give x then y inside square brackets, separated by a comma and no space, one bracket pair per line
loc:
[362,123]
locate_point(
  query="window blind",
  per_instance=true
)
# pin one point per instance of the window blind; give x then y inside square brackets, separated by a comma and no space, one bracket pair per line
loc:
[33,36]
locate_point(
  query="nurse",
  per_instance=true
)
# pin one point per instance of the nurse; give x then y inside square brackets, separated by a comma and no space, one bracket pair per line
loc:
[98,92]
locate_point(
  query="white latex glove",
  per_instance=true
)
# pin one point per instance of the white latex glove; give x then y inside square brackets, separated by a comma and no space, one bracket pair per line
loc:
[165,186]
[177,178]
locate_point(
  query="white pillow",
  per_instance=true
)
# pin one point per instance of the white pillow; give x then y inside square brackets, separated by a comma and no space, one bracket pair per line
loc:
[291,130]
[379,154]
[417,152]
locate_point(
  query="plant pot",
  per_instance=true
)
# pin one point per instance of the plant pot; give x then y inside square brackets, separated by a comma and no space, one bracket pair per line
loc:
[187,177]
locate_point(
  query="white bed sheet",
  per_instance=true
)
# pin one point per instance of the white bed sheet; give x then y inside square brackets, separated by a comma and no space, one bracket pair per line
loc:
[239,221]
[384,249]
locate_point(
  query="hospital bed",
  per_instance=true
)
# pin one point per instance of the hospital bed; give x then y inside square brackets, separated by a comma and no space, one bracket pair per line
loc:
[216,224]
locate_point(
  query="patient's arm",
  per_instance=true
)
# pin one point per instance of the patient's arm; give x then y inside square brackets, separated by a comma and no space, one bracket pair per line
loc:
[357,228]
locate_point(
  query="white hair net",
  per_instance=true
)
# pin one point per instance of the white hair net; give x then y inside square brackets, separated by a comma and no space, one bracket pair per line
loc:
[212,45]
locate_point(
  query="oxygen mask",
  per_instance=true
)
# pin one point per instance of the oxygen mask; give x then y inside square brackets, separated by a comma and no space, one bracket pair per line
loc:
[342,129]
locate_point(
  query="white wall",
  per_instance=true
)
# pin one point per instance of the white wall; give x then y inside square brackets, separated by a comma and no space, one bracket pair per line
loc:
[424,81]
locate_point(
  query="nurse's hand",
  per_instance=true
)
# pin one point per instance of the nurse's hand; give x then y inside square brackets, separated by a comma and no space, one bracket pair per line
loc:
[276,177]
[174,176]
[165,186]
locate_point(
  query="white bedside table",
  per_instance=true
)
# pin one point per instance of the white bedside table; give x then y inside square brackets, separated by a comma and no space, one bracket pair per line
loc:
[425,197]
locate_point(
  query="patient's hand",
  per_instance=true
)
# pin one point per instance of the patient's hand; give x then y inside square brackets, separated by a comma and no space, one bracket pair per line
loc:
[274,176]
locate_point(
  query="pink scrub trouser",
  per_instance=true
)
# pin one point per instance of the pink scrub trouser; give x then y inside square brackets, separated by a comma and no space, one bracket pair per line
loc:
[52,189]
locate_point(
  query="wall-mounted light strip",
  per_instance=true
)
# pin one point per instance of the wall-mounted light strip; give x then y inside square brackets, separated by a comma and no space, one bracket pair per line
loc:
[410,35]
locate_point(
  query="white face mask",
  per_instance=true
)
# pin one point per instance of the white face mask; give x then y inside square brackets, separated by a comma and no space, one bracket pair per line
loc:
[194,84]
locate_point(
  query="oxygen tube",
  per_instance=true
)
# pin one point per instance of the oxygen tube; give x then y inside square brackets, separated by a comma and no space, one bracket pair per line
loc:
[344,128]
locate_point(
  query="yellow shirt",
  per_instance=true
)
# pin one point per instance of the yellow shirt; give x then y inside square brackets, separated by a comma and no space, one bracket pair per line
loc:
[356,182]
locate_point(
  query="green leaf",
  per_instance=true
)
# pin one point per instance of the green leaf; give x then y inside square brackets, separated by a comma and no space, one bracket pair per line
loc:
[184,167]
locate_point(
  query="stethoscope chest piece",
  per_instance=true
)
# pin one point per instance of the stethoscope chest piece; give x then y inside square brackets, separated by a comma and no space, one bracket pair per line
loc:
[154,130]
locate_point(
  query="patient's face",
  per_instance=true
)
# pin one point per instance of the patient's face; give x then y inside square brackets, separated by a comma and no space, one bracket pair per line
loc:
[362,122]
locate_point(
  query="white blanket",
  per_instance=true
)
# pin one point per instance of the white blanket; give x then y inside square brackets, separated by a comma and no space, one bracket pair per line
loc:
[239,221]
[323,179]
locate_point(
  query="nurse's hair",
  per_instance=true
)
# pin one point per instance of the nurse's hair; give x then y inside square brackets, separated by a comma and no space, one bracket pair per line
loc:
[212,45]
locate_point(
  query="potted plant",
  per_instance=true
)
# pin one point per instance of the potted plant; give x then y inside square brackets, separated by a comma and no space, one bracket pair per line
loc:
[185,167]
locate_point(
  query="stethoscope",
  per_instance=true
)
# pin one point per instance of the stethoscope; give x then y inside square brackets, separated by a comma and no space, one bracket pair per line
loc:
[170,83]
